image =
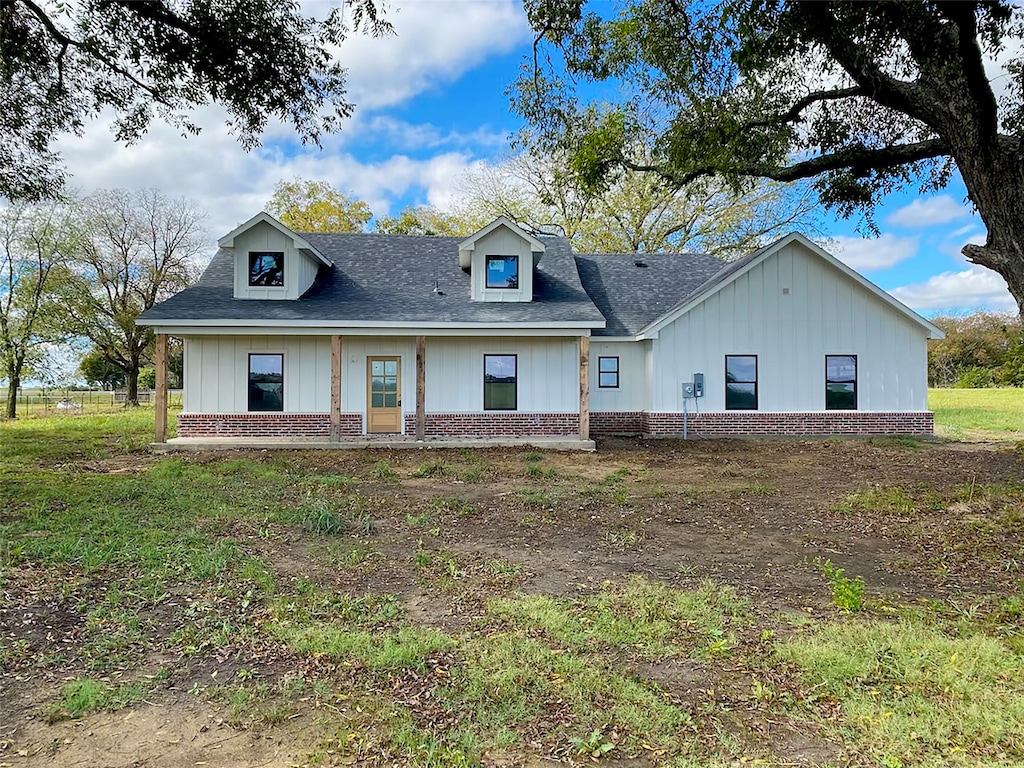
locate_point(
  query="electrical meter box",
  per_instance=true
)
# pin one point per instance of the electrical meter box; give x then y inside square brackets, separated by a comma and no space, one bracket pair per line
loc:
[688,389]
[698,385]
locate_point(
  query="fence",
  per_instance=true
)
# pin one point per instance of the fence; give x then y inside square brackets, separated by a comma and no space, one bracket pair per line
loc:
[71,402]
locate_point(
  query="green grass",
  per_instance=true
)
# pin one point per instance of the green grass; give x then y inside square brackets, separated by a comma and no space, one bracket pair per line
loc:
[912,695]
[978,414]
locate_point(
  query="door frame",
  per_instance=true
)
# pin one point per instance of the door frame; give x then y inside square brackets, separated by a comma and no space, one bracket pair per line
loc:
[369,392]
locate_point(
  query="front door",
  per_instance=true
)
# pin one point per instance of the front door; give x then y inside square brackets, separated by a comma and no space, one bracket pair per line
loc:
[384,402]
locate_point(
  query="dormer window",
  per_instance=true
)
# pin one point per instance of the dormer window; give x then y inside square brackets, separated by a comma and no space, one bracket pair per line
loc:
[266,268]
[502,272]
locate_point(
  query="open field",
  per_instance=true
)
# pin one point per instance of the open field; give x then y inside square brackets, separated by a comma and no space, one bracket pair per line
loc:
[978,414]
[778,602]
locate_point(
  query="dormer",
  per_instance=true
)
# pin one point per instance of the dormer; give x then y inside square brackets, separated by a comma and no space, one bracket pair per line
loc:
[500,259]
[271,261]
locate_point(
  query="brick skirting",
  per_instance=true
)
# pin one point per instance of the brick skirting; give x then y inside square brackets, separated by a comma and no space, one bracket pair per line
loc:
[608,423]
[496,424]
[266,425]
[811,423]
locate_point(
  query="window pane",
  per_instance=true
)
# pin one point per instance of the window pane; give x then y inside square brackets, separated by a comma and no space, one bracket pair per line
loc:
[377,400]
[502,271]
[390,384]
[840,368]
[840,397]
[607,364]
[377,367]
[266,382]
[499,382]
[390,400]
[266,269]
[391,367]
[741,397]
[740,368]
[377,383]
[605,379]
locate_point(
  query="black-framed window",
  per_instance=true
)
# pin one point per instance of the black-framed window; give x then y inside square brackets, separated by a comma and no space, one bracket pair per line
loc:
[266,382]
[608,372]
[741,382]
[840,382]
[502,271]
[500,382]
[266,269]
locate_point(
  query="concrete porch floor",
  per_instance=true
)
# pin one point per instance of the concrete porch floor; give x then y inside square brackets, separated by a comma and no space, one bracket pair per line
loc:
[400,441]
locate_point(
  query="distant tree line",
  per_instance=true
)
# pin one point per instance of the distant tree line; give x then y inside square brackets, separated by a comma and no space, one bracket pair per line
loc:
[983,349]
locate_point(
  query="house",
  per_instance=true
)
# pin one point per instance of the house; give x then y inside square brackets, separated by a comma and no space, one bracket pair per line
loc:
[349,337]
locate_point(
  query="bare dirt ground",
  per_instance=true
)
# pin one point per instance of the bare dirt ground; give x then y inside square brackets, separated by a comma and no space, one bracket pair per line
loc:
[750,514]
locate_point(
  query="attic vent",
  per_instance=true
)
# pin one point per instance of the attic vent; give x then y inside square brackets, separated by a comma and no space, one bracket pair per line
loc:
[639,263]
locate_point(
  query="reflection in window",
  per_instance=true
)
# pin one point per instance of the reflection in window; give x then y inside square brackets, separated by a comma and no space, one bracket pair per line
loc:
[499,382]
[266,268]
[384,383]
[502,271]
[840,382]
[608,372]
[266,382]
[741,382]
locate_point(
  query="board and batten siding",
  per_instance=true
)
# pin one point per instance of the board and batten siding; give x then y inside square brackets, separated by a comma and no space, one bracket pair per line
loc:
[634,392]
[502,241]
[299,270]
[217,372]
[823,313]
[547,373]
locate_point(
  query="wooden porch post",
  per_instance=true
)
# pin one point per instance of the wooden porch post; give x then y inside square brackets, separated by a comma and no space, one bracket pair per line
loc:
[335,388]
[584,387]
[421,380]
[161,388]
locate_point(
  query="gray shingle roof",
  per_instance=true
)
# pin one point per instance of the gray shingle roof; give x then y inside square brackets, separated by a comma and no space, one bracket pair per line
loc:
[631,297]
[389,278]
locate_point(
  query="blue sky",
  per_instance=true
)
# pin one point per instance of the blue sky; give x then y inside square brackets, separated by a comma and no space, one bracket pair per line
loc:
[431,103]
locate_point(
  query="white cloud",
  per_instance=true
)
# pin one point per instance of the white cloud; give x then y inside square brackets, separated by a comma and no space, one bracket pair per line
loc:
[928,212]
[973,288]
[867,255]
[435,42]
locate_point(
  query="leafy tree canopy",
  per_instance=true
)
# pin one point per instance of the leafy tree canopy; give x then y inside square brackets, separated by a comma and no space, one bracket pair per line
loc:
[428,220]
[305,205]
[62,64]
[862,97]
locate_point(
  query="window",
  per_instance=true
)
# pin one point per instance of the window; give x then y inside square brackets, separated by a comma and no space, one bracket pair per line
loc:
[840,382]
[741,382]
[266,382]
[502,271]
[384,383]
[608,372]
[499,382]
[266,268]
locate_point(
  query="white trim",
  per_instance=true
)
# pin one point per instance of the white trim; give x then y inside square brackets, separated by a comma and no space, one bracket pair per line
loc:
[248,328]
[470,243]
[228,241]
[650,331]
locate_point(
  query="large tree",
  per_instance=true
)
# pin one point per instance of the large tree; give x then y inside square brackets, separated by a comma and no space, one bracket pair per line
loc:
[35,241]
[306,205]
[635,211]
[62,64]
[862,97]
[138,248]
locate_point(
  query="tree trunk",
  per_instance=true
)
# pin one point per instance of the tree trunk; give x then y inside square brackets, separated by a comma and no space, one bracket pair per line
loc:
[132,384]
[12,394]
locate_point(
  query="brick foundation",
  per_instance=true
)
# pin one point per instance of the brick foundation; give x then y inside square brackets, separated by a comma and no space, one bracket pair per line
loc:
[497,424]
[259,425]
[607,423]
[813,423]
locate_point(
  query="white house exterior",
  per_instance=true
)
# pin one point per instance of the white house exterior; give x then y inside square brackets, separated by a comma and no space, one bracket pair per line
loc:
[345,337]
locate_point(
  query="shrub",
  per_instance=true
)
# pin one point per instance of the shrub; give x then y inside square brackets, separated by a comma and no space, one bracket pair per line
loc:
[974,377]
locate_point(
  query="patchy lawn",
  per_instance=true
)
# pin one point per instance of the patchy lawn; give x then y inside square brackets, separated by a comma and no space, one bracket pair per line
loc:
[978,414]
[657,603]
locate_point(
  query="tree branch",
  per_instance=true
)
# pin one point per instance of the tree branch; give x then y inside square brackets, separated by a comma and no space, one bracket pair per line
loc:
[856,159]
[66,41]
[979,89]
[793,113]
